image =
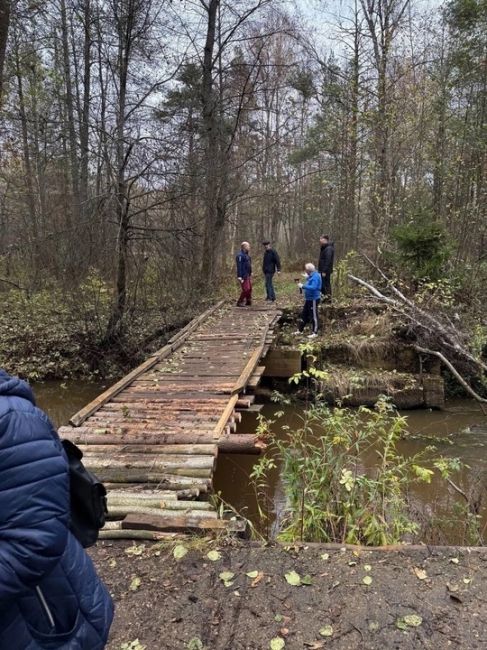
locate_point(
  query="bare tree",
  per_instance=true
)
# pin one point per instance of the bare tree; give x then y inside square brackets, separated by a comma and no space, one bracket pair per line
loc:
[383,18]
[4,25]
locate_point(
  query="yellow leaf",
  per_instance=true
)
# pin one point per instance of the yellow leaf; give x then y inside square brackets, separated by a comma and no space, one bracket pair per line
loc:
[420,573]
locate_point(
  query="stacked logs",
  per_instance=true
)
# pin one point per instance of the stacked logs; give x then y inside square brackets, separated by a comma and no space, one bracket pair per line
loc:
[153,439]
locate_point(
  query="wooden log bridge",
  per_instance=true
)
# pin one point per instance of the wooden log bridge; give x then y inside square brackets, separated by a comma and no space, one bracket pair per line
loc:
[155,436]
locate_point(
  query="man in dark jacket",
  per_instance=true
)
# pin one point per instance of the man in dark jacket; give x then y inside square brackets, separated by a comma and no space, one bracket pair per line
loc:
[244,275]
[50,595]
[270,264]
[325,265]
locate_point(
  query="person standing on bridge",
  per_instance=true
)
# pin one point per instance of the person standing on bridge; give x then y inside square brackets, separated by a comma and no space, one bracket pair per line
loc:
[312,294]
[325,266]
[270,264]
[50,594]
[244,275]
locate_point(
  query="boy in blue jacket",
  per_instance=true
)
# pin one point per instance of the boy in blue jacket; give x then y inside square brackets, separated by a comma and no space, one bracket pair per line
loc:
[312,295]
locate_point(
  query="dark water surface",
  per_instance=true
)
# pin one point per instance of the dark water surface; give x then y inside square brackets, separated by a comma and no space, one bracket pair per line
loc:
[458,431]
[60,400]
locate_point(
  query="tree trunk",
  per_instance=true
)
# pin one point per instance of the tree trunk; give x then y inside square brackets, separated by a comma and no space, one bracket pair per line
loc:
[28,171]
[4,25]
[125,25]
[215,210]
[85,111]
[73,147]
[353,146]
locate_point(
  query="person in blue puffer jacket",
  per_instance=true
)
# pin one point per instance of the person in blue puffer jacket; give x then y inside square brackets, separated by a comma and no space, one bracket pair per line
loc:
[244,275]
[312,295]
[50,595]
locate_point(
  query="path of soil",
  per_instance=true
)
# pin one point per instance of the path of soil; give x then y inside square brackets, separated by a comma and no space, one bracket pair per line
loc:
[417,598]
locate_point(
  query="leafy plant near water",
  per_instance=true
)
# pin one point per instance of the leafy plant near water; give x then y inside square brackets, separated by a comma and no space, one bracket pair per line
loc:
[458,518]
[259,481]
[331,496]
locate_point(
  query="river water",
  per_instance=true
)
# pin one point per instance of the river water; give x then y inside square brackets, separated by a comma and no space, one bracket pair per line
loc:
[460,430]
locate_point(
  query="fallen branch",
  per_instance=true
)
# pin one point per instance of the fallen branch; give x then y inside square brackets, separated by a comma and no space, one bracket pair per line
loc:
[373,290]
[151,535]
[458,489]
[456,374]
[450,338]
[445,334]
[15,285]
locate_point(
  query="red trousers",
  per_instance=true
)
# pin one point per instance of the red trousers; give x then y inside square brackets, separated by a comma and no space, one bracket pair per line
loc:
[246,294]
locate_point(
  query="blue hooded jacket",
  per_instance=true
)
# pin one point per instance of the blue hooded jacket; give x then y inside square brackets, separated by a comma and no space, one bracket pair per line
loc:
[50,595]
[312,286]
[244,265]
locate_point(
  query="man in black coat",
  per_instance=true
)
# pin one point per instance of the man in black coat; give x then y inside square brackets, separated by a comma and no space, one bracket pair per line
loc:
[270,264]
[325,265]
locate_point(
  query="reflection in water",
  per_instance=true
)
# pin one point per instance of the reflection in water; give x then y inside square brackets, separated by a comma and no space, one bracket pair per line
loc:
[458,431]
[61,400]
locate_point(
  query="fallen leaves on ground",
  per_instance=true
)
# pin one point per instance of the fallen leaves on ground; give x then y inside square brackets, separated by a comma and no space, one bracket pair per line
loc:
[179,552]
[195,644]
[214,556]
[326,630]
[410,620]
[257,578]
[293,578]
[136,549]
[133,645]
[420,573]
[135,584]
[227,578]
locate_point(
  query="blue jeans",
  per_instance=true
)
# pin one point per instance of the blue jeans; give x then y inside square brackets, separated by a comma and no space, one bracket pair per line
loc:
[269,287]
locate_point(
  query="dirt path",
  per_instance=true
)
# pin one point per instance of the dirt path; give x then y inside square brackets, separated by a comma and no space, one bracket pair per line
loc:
[414,598]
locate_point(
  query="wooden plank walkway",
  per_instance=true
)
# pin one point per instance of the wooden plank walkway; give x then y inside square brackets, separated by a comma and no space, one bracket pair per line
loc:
[153,438]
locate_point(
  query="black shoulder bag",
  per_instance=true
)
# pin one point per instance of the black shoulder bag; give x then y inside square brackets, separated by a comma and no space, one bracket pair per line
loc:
[88,498]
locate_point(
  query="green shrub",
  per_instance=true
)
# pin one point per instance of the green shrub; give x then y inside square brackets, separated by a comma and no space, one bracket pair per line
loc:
[331,497]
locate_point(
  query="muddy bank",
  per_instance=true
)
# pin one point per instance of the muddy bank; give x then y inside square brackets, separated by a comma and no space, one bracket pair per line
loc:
[365,354]
[415,598]
[53,336]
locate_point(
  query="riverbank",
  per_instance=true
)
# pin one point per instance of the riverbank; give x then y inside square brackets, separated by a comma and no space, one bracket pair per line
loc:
[53,335]
[413,597]
[59,335]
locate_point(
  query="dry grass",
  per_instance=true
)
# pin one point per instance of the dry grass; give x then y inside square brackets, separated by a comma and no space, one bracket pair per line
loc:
[344,381]
[370,323]
[368,351]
